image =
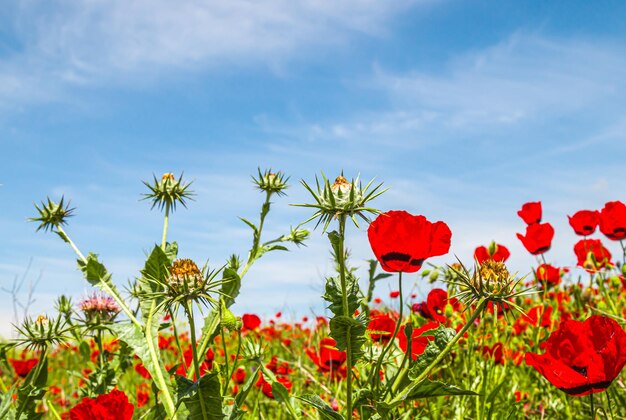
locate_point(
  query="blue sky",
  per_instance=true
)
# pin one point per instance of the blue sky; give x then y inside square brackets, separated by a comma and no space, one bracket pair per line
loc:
[465,110]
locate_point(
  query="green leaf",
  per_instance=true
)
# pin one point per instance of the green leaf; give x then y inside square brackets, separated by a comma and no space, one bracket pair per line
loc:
[335,242]
[425,389]
[155,272]
[32,391]
[6,409]
[249,223]
[94,271]
[334,297]
[171,250]
[208,387]
[442,336]
[324,410]
[344,329]
[132,335]
[231,284]
[241,396]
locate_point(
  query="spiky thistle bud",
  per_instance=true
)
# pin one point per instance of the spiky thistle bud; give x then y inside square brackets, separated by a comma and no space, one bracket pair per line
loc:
[52,215]
[490,281]
[167,192]
[271,182]
[341,198]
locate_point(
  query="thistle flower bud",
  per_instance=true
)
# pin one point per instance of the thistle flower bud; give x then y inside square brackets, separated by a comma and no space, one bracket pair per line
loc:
[490,281]
[168,192]
[270,182]
[341,199]
[52,215]
[491,277]
[184,276]
[42,332]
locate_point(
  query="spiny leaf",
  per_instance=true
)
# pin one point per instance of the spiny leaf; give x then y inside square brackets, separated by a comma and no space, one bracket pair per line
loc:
[344,328]
[323,409]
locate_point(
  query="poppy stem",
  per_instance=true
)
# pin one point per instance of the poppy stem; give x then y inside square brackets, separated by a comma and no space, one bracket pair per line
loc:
[390,343]
[593,411]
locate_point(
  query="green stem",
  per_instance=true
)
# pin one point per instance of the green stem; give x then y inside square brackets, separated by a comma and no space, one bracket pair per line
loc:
[69,241]
[156,362]
[479,308]
[225,360]
[390,343]
[42,359]
[166,221]
[346,312]
[53,410]
[103,285]
[196,365]
[3,386]
[252,257]
[593,411]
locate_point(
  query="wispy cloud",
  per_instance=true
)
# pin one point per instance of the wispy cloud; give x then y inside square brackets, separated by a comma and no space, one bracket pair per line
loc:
[63,43]
[526,79]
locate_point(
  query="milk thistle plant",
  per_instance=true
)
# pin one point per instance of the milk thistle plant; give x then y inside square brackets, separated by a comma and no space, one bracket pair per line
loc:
[166,284]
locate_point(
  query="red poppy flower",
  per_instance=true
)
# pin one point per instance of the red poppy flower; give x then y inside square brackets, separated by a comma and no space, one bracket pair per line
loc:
[531,212]
[582,357]
[494,352]
[327,357]
[538,238]
[548,274]
[23,367]
[418,341]
[266,387]
[250,321]
[143,396]
[584,222]
[111,406]
[401,241]
[381,328]
[141,369]
[592,255]
[394,294]
[536,316]
[239,376]
[613,220]
[495,252]
[435,306]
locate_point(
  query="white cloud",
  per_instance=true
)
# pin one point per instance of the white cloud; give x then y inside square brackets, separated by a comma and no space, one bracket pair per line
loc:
[67,43]
[508,89]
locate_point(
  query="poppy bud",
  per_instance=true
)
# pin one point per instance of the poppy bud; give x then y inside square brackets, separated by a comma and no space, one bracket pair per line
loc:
[433,276]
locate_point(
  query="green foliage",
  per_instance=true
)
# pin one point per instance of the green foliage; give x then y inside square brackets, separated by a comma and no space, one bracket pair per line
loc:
[346,329]
[189,392]
[324,410]
[442,336]
[32,391]
[426,389]
[94,271]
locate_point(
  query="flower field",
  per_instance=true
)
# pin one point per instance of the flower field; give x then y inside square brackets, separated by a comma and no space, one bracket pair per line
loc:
[485,343]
